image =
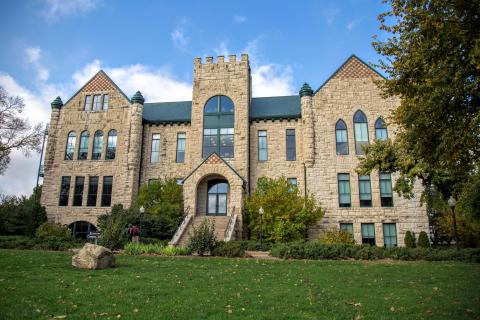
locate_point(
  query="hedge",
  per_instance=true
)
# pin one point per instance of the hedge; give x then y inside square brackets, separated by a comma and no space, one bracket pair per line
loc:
[28,243]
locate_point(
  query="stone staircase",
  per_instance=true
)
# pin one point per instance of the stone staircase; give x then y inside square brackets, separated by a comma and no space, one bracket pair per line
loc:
[220,222]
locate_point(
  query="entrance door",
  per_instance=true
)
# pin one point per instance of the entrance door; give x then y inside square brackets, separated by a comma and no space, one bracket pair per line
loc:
[217,198]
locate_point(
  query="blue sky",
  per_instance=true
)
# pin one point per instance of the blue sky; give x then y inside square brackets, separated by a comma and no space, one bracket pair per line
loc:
[51,47]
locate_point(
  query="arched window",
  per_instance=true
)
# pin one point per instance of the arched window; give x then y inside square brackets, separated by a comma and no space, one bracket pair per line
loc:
[111,144]
[70,148]
[341,137]
[361,131]
[81,229]
[381,129]
[217,197]
[218,127]
[83,146]
[97,145]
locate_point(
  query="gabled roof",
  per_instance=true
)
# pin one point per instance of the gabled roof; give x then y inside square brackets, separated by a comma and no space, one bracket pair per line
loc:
[216,158]
[287,107]
[104,80]
[167,112]
[353,67]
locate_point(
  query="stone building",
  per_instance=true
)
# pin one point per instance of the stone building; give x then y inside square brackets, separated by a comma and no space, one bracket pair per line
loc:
[102,146]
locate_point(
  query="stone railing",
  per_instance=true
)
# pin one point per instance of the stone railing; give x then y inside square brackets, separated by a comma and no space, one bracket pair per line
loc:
[231,226]
[181,229]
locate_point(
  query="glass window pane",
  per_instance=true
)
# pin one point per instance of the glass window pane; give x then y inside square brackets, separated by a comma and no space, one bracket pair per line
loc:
[107,191]
[97,145]
[88,101]
[71,140]
[226,104]
[348,227]
[111,145]
[212,105]
[64,191]
[83,147]
[78,192]
[105,102]
[222,203]
[92,191]
[96,102]
[212,203]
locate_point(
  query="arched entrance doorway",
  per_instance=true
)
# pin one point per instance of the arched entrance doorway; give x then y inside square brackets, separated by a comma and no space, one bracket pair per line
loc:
[217,197]
[80,229]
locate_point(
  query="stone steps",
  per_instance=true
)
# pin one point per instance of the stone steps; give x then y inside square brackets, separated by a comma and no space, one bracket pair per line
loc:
[220,223]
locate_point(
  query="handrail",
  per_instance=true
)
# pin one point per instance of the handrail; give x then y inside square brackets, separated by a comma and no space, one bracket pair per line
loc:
[230,227]
[181,229]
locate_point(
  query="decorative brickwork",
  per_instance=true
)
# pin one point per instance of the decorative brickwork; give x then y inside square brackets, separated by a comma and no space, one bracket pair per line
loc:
[213,159]
[100,82]
[355,68]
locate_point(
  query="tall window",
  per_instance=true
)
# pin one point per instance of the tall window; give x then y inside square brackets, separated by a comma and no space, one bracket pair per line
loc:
[111,145]
[218,127]
[64,191]
[291,145]
[365,189]
[217,197]
[347,227]
[262,145]
[368,233]
[361,131]
[97,145]
[181,138]
[96,102]
[155,152]
[381,130]
[341,137]
[92,191]
[389,235]
[88,103]
[344,197]
[386,195]
[70,148]
[105,102]
[83,146]
[107,191]
[78,191]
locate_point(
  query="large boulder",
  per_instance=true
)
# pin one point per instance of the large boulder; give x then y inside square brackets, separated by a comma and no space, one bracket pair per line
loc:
[92,256]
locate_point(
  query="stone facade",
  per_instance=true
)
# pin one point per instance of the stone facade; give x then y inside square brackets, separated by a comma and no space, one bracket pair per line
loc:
[315,167]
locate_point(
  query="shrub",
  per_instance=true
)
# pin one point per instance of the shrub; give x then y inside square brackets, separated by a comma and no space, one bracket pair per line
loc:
[53,231]
[229,249]
[113,228]
[141,248]
[202,239]
[423,241]
[336,236]
[410,239]
[27,243]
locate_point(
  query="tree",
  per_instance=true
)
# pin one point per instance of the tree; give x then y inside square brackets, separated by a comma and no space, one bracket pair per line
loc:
[432,60]
[15,133]
[410,241]
[287,215]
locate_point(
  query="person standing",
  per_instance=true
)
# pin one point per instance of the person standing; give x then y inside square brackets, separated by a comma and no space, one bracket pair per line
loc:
[135,231]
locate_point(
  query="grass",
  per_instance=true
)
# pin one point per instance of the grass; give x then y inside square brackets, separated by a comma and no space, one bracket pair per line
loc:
[43,285]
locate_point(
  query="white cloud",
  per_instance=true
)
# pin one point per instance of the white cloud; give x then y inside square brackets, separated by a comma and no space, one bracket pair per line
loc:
[33,56]
[221,49]
[329,15]
[272,80]
[350,25]
[179,37]
[56,9]
[239,19]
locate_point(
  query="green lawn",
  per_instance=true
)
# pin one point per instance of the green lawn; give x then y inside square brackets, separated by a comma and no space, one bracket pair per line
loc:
[35,284]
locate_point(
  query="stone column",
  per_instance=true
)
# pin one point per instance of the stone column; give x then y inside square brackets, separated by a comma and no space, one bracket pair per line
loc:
[306,94]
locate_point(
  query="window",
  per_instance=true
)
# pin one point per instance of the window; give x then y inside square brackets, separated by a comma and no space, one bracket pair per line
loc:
[70,148]
[365,190]
[293,183]
[111,145]
[105,102]
[83,146]
[218,123]
[389,235]
[180,181]
[341,137]
[344,198]
[368,233]
[347,227]
[181,138]
[386,195]
[107,191]
[155,152]
[88,103]
[361,131]
[92,191]
[291,146]
[96,102]
[381,130]
[81,229]
[262,145]
[97,145]
[78,191]
[217,198]
[64,191]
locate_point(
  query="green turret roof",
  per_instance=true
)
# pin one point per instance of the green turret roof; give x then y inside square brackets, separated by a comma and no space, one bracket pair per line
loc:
[57,103]
[306,90]
[138,98]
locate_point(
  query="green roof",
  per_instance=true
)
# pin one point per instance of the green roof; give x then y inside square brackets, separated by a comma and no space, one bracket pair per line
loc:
[287,107]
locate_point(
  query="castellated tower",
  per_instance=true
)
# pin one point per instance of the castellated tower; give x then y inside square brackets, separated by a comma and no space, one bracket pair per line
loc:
[231,79]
